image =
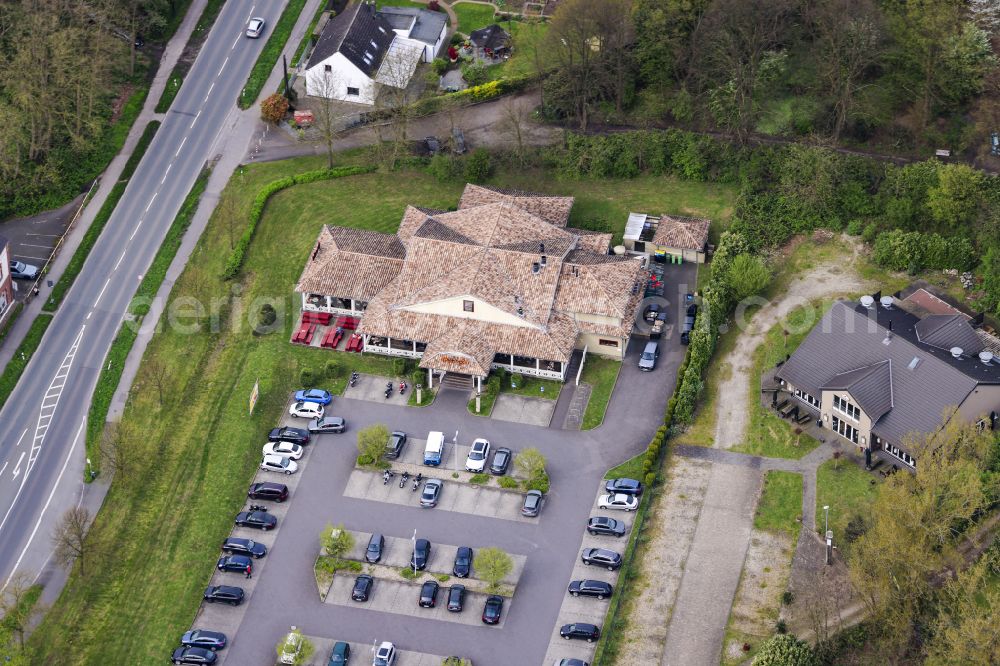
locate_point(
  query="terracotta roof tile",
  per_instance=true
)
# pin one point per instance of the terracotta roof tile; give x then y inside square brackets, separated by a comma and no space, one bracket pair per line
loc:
[339,266]
[687,233]
[553,209]
[597,241]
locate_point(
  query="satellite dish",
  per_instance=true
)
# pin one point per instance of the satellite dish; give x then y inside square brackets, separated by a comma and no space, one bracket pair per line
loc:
[986,357]
[956,352]
[886,302]
[867,301]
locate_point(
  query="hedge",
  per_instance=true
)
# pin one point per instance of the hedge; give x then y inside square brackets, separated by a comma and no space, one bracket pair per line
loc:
[473,95]
[268,57]
[914,251]
[235,261]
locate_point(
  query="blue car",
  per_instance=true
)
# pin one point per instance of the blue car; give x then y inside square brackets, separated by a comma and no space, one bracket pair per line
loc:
[319,396]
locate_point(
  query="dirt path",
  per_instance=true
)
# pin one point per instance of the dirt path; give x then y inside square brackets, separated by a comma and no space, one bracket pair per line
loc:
[823,281]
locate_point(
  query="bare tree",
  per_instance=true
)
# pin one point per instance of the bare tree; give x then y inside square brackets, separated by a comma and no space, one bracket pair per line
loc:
[392,99]
[70,538]
[575,40]
[515,116]
[329,115]
[16,608]
[158,373]
[229,209]
[117,448]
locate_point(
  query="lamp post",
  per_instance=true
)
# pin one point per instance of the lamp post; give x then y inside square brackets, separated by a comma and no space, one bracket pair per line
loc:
[90,471]
[828,534]
[826,518]
[414,557]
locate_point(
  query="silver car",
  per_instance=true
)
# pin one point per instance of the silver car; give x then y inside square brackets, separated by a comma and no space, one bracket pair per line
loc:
[255,27]
[647,362]
[431,494]
[22,271]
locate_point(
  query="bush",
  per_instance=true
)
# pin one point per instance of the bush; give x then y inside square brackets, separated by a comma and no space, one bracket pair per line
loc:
[476,74]
[332,369]
[478,166]
[507,482]
[444,167]
[649,479]
[408,573]
[399,367]
[480,478]
[440,66]
[855,227]
[784,650]
[273,108]
[539,483]
[306,377]
[336,541]
[900,250]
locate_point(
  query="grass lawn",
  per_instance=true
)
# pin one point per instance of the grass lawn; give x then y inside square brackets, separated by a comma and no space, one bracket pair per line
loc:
[601,373]
[630,469]
[472,16]
[533,388]
[780,504]
[848,490]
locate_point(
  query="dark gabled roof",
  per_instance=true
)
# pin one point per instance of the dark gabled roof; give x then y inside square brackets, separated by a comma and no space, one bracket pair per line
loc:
[870,386]
[421,24]
[947,331]
[360,34]
[490,37]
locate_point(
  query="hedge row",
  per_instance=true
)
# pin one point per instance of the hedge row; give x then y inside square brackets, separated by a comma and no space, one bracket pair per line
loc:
[914,251]
[268,57]
[235,262]
[310,33]
[473,95]
[79,257]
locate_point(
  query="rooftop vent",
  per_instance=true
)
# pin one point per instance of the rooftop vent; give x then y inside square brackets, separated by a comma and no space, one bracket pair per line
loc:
[541,248]
[535,267]
[914,363]
[868,302]
[986,357]
[956,352]
[886,302]
[520,312]
[544,260]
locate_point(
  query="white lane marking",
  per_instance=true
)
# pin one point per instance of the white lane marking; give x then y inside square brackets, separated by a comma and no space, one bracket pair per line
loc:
[17,467]
[119,262]
[251,13]
[44,247]
[183,141]
[136,230]
[191,126]
[22,437]
[41,515]
[208,94]
[2,469]
[165,173]
[151,201]
[235,43]
[224,62]
[106,283]
[49,410]
[88,315]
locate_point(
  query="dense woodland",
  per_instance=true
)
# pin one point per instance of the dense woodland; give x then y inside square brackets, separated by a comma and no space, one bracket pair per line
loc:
[68,69]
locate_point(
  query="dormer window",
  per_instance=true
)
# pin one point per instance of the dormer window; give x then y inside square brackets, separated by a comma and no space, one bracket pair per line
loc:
[844,406]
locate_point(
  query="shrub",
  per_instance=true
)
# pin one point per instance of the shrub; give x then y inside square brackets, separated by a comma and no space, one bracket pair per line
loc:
[480,478]
[273,108]
[476,74]
[784,650]
[332,369]
[856,528]
[444,167]
[478,165]
[539,483]
[306,377]
[337,541]
[649,479]
[507,482]
[855,227]
[398,367]
[440,66]
[408,573]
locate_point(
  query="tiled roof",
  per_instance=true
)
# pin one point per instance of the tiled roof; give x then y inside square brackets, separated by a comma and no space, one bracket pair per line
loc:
[360,34]
[685,233]
[490,37]
[366,242]
[413,217]
[604,288]
[597,241]
[553,209]
[461,349]
[350,263]
[945,331]
[421,24]
[870,386]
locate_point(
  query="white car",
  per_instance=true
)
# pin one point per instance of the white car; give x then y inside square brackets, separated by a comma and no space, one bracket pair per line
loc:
[618,501]
[476,462]
[385,655]
[255,27]
[276,463]
[306,410]
[283,449]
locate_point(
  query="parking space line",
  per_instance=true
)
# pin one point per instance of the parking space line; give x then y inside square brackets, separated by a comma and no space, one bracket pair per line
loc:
[34,245]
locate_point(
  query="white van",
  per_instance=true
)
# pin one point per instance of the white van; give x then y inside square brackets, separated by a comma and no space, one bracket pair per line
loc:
[434,450]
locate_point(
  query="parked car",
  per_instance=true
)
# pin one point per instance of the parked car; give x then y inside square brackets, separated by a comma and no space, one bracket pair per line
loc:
[283,449]
[492,609]
[647,361]
[238,546]
[431,493]
[260,520]
[289,434]
[291,648]
[362,587]
[570,662]
[306,410]
[341,654]
[601,557]
[618,501]
[434,449]
[605,526]
[591,588]
[22,271]
[319,396]
[429,594]
[456,598]
[275,492]
[463,562]
[421,553]
[478,454]
[458,137]
[276,463]
[210,640]
[501,461]
[588,632]
[224,594]
[532,503]
[692,310]
[193,655]
[394,447]
[376,544]
[624,486]
[237,563]
[385,655]
[686,329]
[335,424]
[255,28]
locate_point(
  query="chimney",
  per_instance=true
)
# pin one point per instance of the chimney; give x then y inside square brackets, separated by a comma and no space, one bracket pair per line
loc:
[544,260]
[541,248]
[535,268]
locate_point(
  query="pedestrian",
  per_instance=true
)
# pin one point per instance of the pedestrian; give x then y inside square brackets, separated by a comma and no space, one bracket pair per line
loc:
[248,570]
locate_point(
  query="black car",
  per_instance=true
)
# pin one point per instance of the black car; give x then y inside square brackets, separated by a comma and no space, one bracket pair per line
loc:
[501,461]
[463,562]
[341,654]
[686,329]
[624,487]
[375,547]
[591,588]
[362,587]
[238,563]
[456,598]
[260,520]
[193,655]
[394,447]
[572,662]
[601,557]
[238,546]
[429,594]
[273,492]
[605,526]
[289,434]
[588,632]
[692,310]
[210,640]
[492,609]
[421,553]
[224,594]
[532,503]
[334,424]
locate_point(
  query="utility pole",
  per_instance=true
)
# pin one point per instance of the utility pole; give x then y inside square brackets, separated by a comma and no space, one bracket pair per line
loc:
[828,533]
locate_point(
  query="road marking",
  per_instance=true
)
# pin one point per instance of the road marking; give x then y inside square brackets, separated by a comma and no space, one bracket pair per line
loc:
[209,91]
[106,283]
[236,42]
[22,436]
[251,13]
[88,315]
[2,469]
[38,524]
[119,262]
[17,467]
[33,245]
[176,154]
[191,126]
[151,201]
[224,62]
[136,230]
[165,173]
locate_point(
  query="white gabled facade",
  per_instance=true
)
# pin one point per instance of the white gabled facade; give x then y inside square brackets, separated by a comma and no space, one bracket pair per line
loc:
[338,78]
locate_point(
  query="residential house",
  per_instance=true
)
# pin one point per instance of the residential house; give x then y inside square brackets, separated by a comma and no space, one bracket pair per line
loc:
[880,370]
[420,25]
[502,282]
[490,43]
[6,282]
[357,52]
[682,238]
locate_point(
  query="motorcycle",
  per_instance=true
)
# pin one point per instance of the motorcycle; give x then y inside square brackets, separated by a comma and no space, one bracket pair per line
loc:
[258,507]
[402,479]
[388,390]
[354,379]
[416,481]
[386,475]
[402,388]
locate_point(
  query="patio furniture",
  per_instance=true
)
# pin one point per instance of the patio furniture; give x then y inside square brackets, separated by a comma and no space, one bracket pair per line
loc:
[317,318]
[781,405]
[355,343]
[347,323]
[804,417]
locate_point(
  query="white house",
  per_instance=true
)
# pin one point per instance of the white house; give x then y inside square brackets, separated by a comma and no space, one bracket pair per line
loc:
[357,52]
[6,284]
[424,26]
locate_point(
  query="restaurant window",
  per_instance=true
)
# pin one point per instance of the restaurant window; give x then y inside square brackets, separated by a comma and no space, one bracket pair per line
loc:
[469,306]
[845,406]
[604,342]
[845,430]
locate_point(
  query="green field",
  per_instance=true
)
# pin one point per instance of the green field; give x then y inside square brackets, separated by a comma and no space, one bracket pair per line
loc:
[195,453]
[780,504]
[848,491]
[601,373]
[473,16]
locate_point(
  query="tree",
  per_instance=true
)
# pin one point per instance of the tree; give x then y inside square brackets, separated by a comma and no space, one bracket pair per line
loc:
[295,643]
[966,631]
[70,538]
[371,444]
[392,103]
[574,37]
[492,565]
[784,650]
[530,462]
[273,108]
[157,372]
[747,276]
[515,116]
[336,541]
[478,165]
[117,448]
[954,201]
[19,605]
[327,111]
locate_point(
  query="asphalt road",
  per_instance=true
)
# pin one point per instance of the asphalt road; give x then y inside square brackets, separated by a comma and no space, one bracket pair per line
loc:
[42,424]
